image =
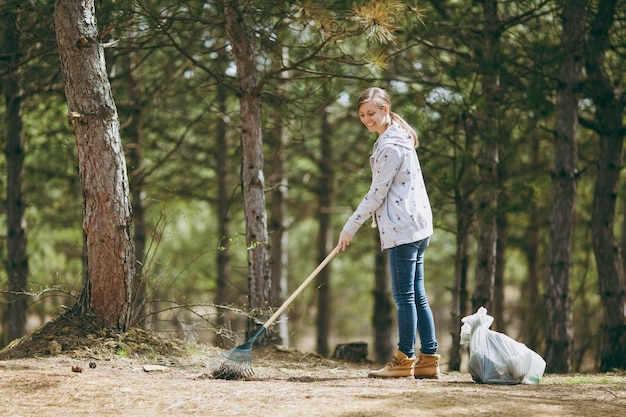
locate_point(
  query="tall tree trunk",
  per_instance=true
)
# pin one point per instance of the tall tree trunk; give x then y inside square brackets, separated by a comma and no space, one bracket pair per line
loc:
[531,304]
[324,237]
[622,204]
[499,283]
[223,203]
[17,257]
[110,263]
[487,195]
[559,337]
[459,295]
[137,183]
[463,199]
[609,102]
[279,228]
[383,317]
[502,223]
[252,179]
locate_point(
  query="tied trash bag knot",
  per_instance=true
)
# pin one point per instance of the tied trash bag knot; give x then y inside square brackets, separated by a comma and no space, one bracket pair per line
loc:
[495,358]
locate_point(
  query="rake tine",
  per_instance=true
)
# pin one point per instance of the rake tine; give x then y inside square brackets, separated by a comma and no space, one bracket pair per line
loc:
[233,370]
[238,364]
[239,359]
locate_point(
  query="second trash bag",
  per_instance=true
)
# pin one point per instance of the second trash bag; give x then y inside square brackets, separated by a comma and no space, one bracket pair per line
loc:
[495,358]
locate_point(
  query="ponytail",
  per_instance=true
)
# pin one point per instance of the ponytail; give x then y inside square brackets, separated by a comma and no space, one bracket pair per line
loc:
[398,119]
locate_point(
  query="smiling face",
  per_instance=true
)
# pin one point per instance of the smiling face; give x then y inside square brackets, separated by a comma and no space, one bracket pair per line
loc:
[374,117]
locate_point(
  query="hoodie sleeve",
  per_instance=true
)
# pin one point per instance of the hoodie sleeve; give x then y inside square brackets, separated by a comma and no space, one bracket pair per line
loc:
[385,166]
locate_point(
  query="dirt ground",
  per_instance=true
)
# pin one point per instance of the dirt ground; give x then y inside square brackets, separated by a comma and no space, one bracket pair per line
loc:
[139,373]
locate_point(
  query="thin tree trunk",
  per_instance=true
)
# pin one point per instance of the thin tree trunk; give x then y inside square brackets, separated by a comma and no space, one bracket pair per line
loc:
[463,199]
[252,179]
[622,195]
[279,228]
[223,204]
[137,183]
[499,282]
[17,257]
[609,116]
[324,239]
[110,261]
[487,196]
[531,305]
[559,338]
[459,297]
[459,290]
[461,266]
[502,223]
[383,317]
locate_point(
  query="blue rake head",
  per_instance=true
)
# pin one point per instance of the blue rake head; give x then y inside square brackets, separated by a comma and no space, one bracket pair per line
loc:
[238,364]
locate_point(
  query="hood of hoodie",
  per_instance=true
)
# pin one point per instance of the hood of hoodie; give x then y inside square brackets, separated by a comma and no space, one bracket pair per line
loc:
[395,135]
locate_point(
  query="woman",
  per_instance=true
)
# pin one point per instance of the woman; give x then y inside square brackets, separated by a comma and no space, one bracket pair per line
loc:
[399,204]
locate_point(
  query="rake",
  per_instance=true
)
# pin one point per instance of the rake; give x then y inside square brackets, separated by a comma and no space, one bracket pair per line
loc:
[238,362]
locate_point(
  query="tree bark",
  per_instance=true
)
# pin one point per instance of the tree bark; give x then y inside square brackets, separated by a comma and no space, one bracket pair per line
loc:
[531,306]
[559,338]
[223,204]
[463,200]
[134,130]
[325,237]
[383,317]
[487,195]
[17,257]
[499,282]
[252,178]
[609,102]
[279,222]
[110,261]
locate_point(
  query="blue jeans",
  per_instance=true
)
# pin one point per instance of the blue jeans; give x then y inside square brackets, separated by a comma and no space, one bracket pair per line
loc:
[406,266]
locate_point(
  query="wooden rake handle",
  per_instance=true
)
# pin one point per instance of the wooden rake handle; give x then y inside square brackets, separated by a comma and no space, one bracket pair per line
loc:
[298,290]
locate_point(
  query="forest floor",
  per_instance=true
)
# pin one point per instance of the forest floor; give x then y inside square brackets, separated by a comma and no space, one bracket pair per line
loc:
[72,368]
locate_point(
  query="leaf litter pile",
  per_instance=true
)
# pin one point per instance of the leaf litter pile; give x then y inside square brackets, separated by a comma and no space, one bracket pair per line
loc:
[78,337]
[71,366]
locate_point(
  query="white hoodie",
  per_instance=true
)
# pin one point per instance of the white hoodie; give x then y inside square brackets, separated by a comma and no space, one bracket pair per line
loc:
[397,195]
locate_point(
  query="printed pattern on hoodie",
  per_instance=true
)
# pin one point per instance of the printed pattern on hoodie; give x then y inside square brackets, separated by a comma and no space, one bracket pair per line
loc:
[397,197]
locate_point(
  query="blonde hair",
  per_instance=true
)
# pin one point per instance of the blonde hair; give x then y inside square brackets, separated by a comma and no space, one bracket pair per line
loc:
[381,98]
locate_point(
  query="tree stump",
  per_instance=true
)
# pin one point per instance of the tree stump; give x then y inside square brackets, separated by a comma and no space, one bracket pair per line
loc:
[352,352]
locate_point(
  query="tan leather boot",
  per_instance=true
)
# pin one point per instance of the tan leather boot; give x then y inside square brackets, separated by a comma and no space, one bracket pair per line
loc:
[426,366]
[400,366]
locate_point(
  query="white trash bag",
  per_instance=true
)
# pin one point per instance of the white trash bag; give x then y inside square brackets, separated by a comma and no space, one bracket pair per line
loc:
[495,358]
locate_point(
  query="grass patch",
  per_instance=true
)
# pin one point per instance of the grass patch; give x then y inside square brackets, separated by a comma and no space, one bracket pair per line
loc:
[585,379]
